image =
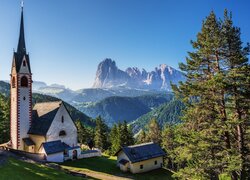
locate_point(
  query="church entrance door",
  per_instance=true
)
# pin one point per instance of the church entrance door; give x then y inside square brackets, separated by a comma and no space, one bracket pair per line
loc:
[75,154]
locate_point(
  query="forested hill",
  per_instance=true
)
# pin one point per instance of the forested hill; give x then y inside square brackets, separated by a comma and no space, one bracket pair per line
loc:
[4,88]
[36,98]
[116,109]
[167,113]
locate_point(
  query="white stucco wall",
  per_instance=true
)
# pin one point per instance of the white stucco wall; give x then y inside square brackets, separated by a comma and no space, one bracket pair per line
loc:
[38,140]
[24,110]
[70,152]
[68,126]
[89,155]
[13,115]
[20,107]
[57,157]
[148,165]
[121,155]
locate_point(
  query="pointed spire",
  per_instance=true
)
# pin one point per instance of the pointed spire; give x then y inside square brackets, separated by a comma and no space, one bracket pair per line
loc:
[21,48]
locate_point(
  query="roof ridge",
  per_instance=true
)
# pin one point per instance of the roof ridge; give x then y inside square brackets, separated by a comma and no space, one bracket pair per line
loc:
[60,101]
[142,144]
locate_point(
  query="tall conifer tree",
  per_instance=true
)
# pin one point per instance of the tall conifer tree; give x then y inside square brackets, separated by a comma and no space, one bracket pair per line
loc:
[101,134]
[207,138]
[154,131]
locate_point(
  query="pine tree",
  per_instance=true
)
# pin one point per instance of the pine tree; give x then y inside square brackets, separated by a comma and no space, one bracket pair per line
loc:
[141,138]
[82,132]
[120,135]
[154,131]
[238,90]
[115,139]
[4,120]
[169,144]
[126,135]
[206,140]
[101,134]
[131,139]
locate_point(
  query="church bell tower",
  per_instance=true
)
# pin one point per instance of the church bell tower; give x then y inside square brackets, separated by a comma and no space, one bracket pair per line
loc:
[20,92]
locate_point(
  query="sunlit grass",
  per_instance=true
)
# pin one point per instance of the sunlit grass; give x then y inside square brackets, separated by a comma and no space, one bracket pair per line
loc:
[107,165]
[16,169]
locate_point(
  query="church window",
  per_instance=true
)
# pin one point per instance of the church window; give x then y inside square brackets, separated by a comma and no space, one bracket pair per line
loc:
[24,81]
[62,133]
[13,82]
[24,63]
[24,98]
[62,119]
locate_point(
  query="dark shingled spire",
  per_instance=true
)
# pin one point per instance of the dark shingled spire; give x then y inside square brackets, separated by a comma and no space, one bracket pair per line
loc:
[21,48]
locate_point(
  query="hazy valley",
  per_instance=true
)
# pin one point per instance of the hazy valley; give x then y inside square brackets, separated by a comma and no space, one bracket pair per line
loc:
[114,97]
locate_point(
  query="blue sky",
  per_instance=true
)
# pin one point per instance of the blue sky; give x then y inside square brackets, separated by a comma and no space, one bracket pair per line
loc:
[66,39]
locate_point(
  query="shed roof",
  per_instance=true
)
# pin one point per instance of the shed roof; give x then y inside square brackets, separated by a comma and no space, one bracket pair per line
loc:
[142,152]
[53,147]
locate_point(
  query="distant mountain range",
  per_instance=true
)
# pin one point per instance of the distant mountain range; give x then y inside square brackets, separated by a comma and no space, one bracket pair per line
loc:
[108,75]
[111,81]
[36,98]
[132,95]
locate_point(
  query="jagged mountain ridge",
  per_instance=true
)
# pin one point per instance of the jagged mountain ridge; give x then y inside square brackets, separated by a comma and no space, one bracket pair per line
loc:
[108,75]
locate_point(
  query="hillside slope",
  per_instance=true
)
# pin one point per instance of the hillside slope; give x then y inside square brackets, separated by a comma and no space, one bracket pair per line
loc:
[116,109]
[167,113]
[36,98]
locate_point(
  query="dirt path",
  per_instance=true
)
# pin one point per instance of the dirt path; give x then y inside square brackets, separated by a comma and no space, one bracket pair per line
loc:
[103,176]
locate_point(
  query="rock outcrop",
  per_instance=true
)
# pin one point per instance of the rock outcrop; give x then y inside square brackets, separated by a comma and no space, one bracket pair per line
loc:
[108,75]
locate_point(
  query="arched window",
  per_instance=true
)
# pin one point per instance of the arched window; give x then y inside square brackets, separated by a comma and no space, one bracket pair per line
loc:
[62,133]
[24,63]
[13,82]
[24,81]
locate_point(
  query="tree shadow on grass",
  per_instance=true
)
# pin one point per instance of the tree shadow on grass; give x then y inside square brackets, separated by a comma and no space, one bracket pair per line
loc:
[107,165]
[17,169]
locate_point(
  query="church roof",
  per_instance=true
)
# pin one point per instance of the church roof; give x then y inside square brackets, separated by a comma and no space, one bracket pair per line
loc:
[142,152]
[53,147]
[42,116]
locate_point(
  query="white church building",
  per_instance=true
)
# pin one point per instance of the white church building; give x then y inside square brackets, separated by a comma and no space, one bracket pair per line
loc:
[47,127]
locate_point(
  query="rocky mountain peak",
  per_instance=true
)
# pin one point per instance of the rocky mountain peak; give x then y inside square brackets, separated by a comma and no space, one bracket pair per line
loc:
[108,75]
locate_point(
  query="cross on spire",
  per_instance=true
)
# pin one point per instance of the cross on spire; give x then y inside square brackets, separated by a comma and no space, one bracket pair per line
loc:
[22,3]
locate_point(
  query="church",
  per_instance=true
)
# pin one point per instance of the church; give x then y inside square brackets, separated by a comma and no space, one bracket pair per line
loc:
[47,128]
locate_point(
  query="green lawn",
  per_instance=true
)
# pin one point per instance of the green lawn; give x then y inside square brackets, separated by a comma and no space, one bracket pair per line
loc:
[107,165]
[16,169]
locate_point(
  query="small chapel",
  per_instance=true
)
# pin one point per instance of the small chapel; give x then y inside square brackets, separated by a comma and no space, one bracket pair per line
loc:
[47,128]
